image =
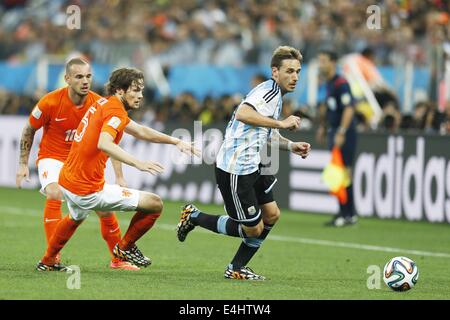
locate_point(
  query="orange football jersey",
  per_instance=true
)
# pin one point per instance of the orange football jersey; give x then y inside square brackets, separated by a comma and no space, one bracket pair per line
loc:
[84,170]
[59,117]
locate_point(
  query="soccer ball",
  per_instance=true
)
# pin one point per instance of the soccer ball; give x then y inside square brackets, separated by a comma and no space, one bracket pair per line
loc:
[400,274]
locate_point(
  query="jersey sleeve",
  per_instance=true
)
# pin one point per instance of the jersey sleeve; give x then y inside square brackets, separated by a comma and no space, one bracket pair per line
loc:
[114,121]
[40,114]
[260,100]
[345,95]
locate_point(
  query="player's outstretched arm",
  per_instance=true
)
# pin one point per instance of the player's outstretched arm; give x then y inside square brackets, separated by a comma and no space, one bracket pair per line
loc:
[248,115]
[145,133]
[107,145]
[26,142]
[300,148]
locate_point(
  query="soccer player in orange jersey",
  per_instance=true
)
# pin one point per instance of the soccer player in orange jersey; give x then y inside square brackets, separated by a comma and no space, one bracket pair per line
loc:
[59,113]
[82,175]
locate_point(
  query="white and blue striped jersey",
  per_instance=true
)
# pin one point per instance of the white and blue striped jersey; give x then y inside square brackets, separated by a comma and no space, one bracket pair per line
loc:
[239,153]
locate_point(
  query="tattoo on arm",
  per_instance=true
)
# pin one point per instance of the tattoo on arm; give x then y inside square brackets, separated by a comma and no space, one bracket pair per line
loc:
[26,142]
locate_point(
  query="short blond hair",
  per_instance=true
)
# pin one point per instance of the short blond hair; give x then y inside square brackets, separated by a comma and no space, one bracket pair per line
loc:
[284,53]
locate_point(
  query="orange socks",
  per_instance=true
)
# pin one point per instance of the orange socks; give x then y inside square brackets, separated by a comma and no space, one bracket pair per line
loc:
[139,225]
[63,232]
[52,215]
[110,231]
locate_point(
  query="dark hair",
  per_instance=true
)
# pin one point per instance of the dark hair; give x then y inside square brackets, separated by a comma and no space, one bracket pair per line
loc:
[389,122]
[284,53]
[122,79]
[74,61]
[367,52]
[332,55]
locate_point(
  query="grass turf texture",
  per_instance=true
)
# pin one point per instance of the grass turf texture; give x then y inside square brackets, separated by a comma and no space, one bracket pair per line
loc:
[296,268]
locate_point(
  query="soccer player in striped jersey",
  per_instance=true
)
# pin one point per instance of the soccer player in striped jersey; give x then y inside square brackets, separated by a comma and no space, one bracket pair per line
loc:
[243,183]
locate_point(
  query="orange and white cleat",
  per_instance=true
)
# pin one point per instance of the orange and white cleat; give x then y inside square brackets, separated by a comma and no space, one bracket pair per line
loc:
[134,256]
[123,265]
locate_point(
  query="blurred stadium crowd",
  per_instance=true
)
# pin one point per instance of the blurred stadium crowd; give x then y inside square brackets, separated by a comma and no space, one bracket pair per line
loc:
[230,32]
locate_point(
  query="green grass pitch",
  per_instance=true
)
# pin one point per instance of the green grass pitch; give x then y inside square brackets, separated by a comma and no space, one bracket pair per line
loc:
[301,258]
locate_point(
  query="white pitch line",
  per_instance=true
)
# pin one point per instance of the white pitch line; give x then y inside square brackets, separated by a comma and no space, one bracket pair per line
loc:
[328,243]
[359,246]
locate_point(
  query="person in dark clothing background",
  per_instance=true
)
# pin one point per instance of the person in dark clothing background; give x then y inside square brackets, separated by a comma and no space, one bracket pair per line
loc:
[337,123]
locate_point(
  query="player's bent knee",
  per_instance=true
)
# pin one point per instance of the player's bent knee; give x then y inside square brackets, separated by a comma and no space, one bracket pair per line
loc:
[150,203]
[53,192]
[253,232]
[272,217]
[157,204]
[79,220]
[103,214]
